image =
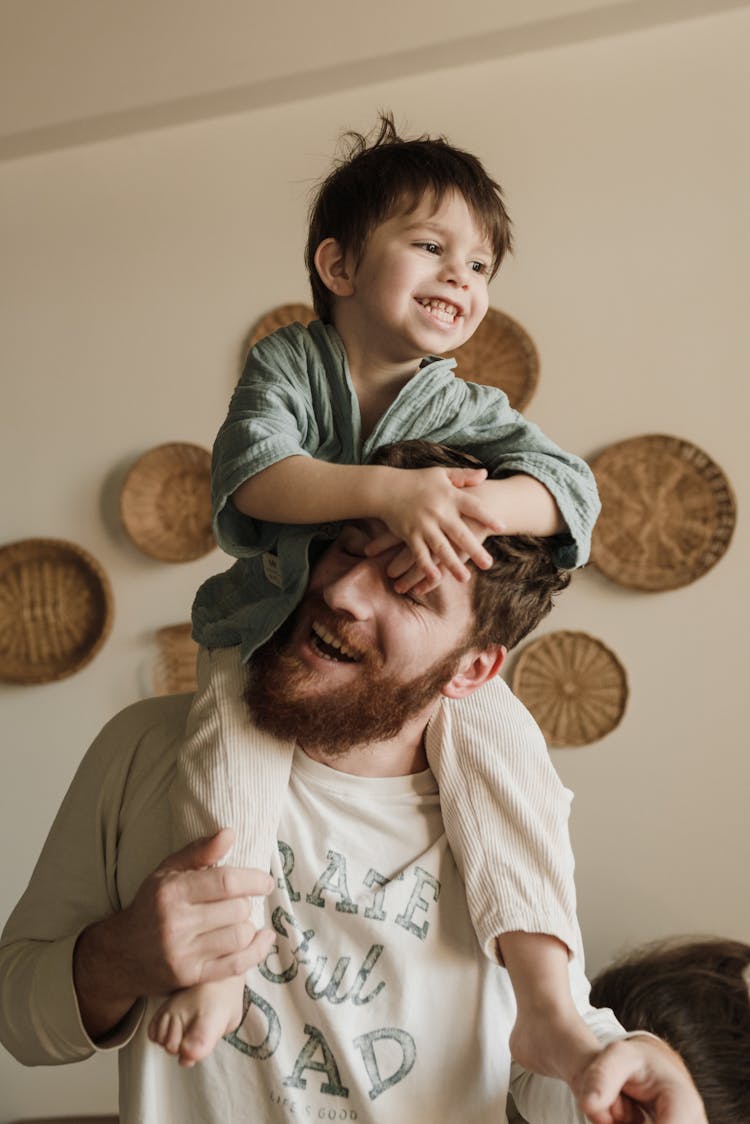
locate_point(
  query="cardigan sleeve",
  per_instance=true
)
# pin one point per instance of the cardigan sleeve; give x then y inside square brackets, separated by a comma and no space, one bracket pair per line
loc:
[74,884]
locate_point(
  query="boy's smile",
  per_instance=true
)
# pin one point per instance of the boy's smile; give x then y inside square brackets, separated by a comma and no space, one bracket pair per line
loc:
[420,287]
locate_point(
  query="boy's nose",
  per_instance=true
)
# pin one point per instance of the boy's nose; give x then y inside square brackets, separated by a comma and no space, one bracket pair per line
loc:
[455,271]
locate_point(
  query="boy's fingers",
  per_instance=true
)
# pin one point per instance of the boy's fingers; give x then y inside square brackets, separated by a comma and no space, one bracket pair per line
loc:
[472,508]
[470,546]
[403,562]
[447,556]
[415,581]
[466,477]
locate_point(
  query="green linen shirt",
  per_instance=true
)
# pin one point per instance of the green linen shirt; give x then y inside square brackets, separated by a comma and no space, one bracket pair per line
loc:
[296,398]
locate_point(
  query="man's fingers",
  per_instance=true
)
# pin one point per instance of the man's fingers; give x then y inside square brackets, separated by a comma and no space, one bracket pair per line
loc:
[602,1081]
[219,943]
[225,882]
[238,962]
[201,853]
[651,1077]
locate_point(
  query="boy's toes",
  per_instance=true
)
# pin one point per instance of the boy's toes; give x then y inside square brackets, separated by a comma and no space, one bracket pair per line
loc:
[159,1027]
[197,1043]
[174,1034]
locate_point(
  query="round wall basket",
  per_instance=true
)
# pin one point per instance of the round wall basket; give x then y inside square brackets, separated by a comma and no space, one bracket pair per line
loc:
[574,686]
[174,672]
[279,318]
[165,504]
[668,513]
[501,353]
[56,610]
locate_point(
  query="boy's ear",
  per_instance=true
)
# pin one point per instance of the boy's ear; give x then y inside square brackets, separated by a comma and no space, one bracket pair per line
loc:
[331,264]
[473,671]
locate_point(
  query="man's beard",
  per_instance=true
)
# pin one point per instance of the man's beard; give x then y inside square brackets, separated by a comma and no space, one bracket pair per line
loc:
[335,720]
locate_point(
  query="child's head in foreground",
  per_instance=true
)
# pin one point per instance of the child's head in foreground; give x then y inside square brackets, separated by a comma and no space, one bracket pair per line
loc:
[694,994]
[436,199]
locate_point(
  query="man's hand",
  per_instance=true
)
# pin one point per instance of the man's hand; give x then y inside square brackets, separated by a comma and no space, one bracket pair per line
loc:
[652,1079]
[188,924]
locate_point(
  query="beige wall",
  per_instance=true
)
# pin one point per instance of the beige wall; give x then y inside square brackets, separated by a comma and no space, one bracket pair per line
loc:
[132,271]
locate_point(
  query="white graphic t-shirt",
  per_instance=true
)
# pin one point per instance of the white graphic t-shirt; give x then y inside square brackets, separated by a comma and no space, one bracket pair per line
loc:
[376,1004]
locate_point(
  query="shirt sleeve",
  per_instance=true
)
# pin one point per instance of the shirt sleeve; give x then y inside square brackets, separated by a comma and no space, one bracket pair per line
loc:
[271,416]
[73,885]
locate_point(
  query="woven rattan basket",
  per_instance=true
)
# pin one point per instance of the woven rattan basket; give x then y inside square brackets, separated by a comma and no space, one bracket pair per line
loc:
[668,513]
[574,686]
[279,318]
[174,671]
[165,503]
[56,610]
[501,353]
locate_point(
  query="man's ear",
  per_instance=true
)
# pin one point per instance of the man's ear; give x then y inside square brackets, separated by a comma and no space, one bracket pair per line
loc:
[332,267]
[474,670]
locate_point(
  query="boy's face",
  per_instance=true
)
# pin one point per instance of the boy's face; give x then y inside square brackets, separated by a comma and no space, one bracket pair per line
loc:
[420,287]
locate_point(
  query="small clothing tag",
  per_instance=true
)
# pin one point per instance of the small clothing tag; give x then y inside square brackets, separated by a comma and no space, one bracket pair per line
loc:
[272,568]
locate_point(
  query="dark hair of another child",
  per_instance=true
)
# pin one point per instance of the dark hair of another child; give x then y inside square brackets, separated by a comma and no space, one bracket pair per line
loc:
[694,995]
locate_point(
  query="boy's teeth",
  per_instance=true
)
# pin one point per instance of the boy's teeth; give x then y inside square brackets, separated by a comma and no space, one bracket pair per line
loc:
[449,310]
[333,641]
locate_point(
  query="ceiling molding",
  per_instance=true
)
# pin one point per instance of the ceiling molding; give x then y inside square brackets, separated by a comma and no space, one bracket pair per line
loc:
[576,27]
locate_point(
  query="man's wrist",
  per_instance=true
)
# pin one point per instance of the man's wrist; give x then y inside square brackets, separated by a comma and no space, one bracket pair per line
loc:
[105,994]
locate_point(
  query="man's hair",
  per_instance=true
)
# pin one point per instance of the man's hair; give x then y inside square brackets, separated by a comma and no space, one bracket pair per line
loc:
[512,597]
[694,995]
[381,175]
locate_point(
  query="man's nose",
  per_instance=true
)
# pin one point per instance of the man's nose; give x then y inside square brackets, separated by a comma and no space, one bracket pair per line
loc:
[355,592]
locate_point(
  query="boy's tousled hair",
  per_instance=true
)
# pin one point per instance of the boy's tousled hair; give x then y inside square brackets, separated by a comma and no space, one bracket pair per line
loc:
[512,597]
[382,174]
[694,995]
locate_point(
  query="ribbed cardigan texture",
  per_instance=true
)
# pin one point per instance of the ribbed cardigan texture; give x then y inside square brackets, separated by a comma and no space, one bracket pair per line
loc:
[504,807]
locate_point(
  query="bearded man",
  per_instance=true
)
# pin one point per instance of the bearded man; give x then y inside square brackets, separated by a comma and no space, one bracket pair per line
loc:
[368,998]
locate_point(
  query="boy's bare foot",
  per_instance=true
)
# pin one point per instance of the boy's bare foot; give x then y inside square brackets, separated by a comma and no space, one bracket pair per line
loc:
[190,1022]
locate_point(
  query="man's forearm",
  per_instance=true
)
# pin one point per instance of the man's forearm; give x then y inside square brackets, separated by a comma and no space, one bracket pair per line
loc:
[101,976]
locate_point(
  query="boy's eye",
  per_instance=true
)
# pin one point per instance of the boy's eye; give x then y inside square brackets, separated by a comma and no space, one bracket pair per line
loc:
[430,247]
[479,266]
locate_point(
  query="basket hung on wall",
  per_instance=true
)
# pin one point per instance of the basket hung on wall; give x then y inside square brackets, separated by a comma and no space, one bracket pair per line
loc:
[56,610]
[668,513]
[501,353]
[279,317]
[165,503]
[573,685]
[174,670]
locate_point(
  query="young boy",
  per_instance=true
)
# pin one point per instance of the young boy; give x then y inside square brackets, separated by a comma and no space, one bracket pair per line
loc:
[404,238]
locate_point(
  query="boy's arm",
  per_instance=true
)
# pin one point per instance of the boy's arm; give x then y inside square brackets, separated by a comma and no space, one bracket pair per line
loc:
[427,509]
[520,504]
[523,504]
[479,420]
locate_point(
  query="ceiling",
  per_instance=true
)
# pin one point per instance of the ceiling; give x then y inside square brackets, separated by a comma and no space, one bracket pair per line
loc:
[77,71]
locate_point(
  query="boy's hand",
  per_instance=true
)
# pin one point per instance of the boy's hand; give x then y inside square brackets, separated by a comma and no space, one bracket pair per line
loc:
[411,578]
[431,511]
